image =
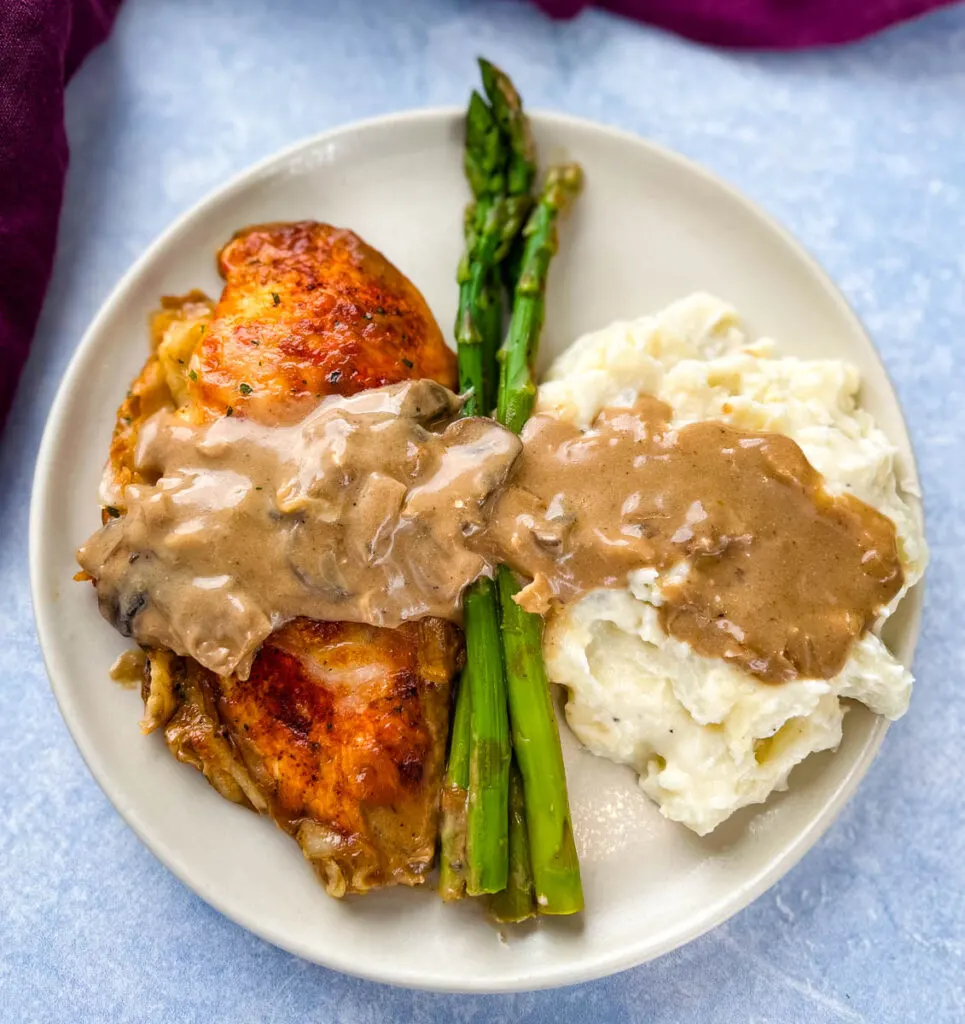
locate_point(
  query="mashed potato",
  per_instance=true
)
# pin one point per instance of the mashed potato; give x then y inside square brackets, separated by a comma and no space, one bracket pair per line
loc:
[706,737]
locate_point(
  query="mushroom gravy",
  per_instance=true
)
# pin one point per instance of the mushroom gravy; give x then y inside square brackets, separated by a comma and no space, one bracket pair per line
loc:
[383,506]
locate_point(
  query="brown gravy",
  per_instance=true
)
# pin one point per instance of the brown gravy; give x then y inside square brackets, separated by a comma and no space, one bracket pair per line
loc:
[780,576]
[358,513]
[382,507]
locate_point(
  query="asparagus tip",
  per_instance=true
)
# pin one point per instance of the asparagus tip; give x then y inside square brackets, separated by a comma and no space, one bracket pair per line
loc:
[478,115]
[564,183]
[498,84]
[499,88]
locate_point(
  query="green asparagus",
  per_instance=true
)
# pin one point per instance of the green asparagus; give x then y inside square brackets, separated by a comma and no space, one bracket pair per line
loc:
[487,818]
[536,741]
[536,744]
[517,901]
[499,166]
[505,834]
[507,112]
[517,390]
[455,796]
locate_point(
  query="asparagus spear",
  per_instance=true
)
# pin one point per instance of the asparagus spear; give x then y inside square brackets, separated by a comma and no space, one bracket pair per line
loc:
[484,154]
[480,828]
[517,901]
[499,165]
[536,741]
[507,112]
[480,306]
[455,796]
[517,391]
[487,818]
[489,223]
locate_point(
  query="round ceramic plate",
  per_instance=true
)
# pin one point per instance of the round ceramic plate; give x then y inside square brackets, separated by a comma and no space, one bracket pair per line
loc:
[650,228]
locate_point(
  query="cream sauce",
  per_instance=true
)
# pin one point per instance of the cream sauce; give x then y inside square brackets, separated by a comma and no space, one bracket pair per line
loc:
[383,506]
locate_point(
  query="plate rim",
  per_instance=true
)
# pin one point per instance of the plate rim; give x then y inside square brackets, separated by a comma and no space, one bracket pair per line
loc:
[602,964]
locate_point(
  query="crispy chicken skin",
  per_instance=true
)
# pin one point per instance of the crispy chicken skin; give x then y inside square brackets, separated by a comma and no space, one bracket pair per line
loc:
[310,310]
[343,729]
[339,732]
[178,695]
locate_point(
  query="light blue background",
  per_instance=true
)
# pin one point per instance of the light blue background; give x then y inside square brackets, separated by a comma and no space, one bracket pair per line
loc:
[860,151]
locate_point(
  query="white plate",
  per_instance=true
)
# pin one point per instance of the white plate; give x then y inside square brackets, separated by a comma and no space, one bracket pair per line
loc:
[650,227]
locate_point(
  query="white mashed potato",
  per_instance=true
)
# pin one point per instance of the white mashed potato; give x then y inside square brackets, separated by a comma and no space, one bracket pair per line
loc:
[706,737]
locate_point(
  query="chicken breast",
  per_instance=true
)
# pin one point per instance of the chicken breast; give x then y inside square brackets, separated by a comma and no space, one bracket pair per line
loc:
[343,729]
[339,731]
[310,310]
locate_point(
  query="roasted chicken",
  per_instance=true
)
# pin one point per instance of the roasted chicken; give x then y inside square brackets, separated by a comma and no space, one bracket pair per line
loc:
[310,310]
[339,731]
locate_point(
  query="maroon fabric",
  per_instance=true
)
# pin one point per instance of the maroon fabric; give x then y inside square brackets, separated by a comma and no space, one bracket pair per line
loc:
[764,24]
[42,42]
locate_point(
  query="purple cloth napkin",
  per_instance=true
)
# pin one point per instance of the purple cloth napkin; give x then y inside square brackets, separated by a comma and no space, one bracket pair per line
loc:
[42,42]
[770,24]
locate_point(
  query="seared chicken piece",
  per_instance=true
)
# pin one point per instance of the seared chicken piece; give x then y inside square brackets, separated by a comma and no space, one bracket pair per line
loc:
[311,310]
[178,694]
[343,728]
[339,732]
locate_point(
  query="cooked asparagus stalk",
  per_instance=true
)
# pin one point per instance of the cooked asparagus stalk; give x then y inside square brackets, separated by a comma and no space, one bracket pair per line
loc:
[455,798]
[479,319]
[487,817]
[536,740]
[507,112]
[499,166]
[517,901]
[517,390]
[536,744]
